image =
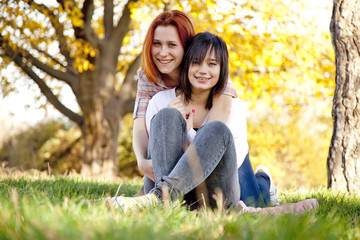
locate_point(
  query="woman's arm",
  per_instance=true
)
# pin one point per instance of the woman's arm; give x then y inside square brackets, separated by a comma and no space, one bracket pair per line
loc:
[140,145]
[221,108]
[301,207]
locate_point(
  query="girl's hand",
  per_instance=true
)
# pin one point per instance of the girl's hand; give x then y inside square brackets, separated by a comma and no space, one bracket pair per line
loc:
[177,104]
[189,116]
[190,119]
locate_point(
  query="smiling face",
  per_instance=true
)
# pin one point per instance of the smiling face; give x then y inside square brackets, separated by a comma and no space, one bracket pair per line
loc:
[167,51]
[204,75]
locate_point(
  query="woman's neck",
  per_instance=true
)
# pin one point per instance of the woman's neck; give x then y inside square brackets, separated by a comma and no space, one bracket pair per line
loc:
[172,79]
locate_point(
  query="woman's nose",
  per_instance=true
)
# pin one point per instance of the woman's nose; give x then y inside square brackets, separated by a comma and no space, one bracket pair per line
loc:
[163,51]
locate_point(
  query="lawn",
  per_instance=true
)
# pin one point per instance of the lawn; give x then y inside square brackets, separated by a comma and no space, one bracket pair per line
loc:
[37,206]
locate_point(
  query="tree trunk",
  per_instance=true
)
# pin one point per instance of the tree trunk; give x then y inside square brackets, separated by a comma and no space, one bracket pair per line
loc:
[101,124]
[343,161]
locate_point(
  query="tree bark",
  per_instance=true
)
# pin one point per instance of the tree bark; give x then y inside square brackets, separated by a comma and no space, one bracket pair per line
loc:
[100,128]
[343,162]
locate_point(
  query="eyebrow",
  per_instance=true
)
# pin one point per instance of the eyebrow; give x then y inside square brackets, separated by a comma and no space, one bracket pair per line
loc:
[214,59]
[165,41]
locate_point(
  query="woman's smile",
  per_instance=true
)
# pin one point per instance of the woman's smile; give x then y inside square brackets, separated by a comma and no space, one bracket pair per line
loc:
[167,51]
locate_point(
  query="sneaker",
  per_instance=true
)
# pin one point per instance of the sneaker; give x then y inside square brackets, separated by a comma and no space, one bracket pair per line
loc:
[274,196]
[126,203]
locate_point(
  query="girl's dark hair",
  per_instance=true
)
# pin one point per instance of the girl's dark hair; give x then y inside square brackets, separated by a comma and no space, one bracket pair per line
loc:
[197,49]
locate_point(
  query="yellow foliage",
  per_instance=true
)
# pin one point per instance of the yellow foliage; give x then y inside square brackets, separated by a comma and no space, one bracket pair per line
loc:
[294,152]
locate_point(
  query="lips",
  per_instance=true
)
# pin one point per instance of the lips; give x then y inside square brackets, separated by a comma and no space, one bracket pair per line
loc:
[202,79]
[164,61]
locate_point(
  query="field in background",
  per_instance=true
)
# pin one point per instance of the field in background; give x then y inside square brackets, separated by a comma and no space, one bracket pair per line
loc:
[293,144]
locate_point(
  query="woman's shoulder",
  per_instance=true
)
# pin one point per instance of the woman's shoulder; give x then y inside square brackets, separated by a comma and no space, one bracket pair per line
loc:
[141,75]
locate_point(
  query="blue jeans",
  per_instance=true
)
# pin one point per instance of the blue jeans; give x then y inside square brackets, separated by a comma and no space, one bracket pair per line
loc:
[254,187]
[207,165]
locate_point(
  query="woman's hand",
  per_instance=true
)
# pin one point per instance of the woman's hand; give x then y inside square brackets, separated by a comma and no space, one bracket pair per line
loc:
[146,167]
[221,108]
[140,145]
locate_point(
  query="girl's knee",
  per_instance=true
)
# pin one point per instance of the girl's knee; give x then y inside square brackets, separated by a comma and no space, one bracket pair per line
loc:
[169,118]
[218,126]
[169,112]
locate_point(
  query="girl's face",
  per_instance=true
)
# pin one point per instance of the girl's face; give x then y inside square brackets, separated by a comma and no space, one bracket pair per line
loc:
[167,51]
[204,75]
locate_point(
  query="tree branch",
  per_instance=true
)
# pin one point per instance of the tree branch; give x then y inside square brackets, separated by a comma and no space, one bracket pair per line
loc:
[86,32]
[20,61]
[62,76]
[50,96]
[59,30]
[130,73]
[108,17]
[122,27]
[49,56]
[127,91]
[90,35]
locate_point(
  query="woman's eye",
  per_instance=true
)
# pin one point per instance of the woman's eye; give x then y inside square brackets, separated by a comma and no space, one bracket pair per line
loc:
[213,64]
[172,45]
[156,43]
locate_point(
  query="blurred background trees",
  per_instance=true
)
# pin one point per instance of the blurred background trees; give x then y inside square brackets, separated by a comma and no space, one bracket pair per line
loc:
[281,63]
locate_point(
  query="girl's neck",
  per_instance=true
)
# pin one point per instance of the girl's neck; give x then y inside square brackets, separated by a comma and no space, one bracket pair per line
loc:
[198,98]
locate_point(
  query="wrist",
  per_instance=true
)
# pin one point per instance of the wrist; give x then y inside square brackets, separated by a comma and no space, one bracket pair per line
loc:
[141,164]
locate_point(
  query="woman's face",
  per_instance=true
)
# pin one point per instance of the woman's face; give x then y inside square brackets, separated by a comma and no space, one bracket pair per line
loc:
[167,51]
[204,75]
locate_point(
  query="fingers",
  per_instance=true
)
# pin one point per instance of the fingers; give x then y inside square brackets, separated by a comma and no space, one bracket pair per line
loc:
[190,119]
[177,104]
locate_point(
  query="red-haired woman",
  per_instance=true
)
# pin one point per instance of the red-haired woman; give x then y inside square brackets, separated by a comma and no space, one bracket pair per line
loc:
[163,50]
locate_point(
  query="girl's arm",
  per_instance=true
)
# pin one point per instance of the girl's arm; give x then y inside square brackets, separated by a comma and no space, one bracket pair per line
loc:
[221,108]
[140,145]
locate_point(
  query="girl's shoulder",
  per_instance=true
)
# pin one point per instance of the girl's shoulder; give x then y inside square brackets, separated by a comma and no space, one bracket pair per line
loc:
[164,95]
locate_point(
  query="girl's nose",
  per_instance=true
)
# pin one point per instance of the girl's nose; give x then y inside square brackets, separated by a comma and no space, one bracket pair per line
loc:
[202,68]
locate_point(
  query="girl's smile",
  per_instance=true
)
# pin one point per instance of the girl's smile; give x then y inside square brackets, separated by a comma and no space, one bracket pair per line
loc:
[204,75]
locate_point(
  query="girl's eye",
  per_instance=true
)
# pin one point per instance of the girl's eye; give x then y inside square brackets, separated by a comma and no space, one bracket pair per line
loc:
[156,43]
[172,45]
[213,64]
[195,62]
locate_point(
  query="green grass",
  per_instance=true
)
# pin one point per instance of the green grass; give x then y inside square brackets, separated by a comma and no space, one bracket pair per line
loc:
[54,208]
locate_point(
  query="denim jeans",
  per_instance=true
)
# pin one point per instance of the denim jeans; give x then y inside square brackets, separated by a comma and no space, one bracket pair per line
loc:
[208,164]
[254,187]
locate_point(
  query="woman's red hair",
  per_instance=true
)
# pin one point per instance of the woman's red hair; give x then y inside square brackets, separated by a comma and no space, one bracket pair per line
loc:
[185,30]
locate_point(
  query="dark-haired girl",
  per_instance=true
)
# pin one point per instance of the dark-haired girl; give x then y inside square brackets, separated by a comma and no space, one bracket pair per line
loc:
[193,159]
